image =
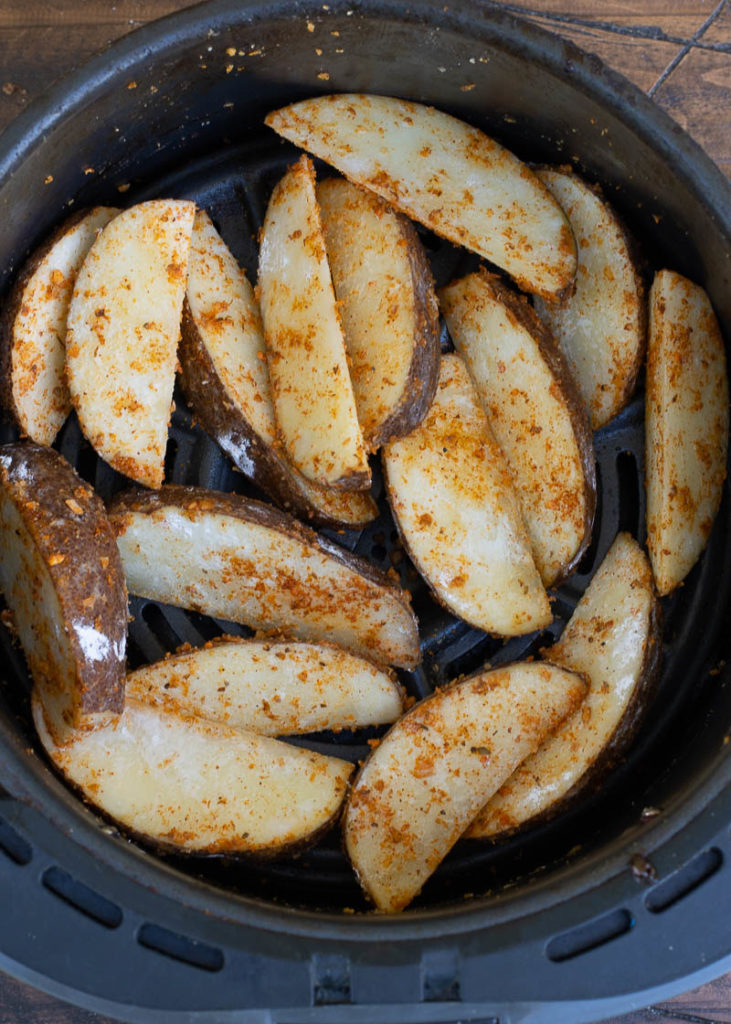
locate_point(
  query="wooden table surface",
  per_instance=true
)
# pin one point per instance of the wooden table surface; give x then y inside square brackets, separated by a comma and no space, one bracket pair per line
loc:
[678,51]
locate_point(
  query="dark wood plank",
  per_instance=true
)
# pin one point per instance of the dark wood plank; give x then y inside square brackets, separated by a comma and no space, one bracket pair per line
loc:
[21,1004]
[699,85]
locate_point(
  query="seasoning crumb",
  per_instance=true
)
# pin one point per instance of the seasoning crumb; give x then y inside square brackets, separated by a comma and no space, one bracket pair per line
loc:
[324,76]
[642,869]
[649,812]
[231,51]
[56,558]
[124,187]
[310,26]
[74,506]
[48,179]
[132,84]
[467,87]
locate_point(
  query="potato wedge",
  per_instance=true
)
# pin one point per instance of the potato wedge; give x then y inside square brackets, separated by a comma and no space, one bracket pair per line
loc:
[189,784]
[535,413]
[273,689]
[445,174]
[63,582]
[686,426]
[614,640]
[122,335]
[454,504]
[241,560]
[385,293]
[423,784]
[601,323]
[33,327]
[308,368]
[224,377]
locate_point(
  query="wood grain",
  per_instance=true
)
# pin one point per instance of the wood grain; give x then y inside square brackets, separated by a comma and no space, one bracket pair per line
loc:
[679,50]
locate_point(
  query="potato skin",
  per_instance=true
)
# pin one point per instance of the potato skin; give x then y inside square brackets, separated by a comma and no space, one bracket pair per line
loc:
[68,524]
[11,308]
[207,395]
[424,370]
[557,363]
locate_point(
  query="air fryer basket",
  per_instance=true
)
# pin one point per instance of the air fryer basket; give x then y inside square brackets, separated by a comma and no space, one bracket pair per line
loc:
[625,894]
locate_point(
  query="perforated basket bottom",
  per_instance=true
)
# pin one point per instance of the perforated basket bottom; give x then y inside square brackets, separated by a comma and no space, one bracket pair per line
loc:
[233,187]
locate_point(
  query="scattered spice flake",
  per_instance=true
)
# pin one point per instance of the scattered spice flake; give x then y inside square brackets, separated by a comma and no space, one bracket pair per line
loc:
[324,75]
[56,558]
[231,51]
[132,84]
[11,88]
[229,68]
[74,506]
[718,668]
[467,87]
[6,618]
[89,170]
[335,33]
[310,27]
[124,187]
[643,870]
[318,51]
[48,179]
[254,53]
[648,813]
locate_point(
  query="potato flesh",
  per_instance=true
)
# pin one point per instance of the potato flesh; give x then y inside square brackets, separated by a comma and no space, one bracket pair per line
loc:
[529,417]
[607,640]
[368,252]
[123,331]
[198,785]
[686,426]
[249,573]
[313,396]
[272,689]
[600,324]
[445,174]
[226,315]
[422,786]
[453,500]
[40,394]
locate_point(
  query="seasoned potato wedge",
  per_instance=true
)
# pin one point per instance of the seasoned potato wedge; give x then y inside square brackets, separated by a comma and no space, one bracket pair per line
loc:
[189,784]
[686,426]
[446,175]
[33,327]
[273,689]
[225,379]
[601,322]
[241,560]
[122,335]
[385,293]
[424,783]
[453,501]
[308,368]
[613,639]
[535,413]
[63,582]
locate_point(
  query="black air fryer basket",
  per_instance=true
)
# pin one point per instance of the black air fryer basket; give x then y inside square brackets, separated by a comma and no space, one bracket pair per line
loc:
[621,900]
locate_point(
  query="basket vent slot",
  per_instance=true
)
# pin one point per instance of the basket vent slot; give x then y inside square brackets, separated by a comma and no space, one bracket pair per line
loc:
[330,979]
[440,977]
[683,882]
[180,947]
[586,565]
[13,845]
[589,935]
[82,898]
[629,493]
